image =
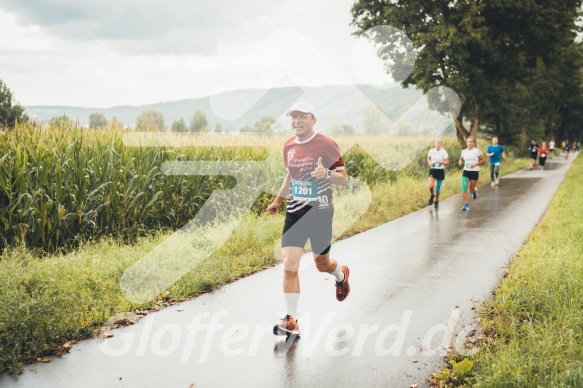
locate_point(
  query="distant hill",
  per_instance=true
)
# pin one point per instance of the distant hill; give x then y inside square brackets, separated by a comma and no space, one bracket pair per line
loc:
[236,109]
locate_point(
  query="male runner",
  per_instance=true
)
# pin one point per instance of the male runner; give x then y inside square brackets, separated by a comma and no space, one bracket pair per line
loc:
[496,152]
[313,163]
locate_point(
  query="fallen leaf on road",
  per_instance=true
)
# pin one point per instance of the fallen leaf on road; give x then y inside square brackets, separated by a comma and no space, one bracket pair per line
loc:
[43,360]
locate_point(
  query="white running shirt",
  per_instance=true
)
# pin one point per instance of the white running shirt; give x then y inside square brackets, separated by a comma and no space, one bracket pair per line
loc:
[471,157]
[437,157]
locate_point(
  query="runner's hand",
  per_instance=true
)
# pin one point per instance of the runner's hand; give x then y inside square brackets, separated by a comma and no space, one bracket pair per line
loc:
[272,208]
[320,172]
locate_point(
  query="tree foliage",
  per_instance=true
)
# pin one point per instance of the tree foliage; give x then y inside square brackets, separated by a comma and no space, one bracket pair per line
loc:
[10,111]
[97,120]
[265,126]
[199,122]
[499,56]
[150,120]
[62,121]
[179,126]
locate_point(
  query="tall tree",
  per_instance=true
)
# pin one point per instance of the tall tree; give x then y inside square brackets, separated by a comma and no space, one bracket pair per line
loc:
[179,126]
[199,123]
[150,120]
[63,121]
[10,111]
[480,49]
[97,120]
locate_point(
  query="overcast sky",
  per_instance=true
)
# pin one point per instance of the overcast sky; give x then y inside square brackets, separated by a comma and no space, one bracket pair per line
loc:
[133,52]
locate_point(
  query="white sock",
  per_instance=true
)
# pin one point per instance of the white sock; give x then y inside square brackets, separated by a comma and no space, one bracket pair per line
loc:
[291,303]
[338,274]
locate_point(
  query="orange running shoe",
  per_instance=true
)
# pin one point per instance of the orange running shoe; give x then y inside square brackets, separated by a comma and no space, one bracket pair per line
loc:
[288,326]
[343,288]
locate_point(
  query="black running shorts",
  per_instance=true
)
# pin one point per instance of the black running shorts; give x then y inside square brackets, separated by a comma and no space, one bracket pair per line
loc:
[471,175]
[437,173]
[317,227]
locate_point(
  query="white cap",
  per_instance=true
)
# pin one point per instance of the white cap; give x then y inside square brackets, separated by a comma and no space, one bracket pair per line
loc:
[302,106]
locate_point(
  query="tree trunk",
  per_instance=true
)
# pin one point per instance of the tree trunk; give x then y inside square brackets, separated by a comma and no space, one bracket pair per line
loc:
[474,128]
[475,123]
[461,131]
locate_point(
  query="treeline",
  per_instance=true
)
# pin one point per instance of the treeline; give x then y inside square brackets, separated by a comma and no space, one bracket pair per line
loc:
[154,120]
[516,65]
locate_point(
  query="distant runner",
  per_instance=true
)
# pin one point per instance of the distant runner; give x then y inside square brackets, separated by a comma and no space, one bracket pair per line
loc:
[313,163]
[496,153]
[567,148]
[533,150]
[551,148]
[471,159]
[542,155]
[437,159]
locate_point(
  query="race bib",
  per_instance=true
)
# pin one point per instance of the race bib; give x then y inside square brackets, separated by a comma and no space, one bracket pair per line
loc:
[543,155]
[435,165]
[304,190]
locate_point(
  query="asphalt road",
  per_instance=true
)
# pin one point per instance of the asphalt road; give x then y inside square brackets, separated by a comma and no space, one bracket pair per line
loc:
[414,282]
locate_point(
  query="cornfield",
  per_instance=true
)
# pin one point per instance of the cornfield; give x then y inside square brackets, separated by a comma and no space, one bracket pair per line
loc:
[60,186]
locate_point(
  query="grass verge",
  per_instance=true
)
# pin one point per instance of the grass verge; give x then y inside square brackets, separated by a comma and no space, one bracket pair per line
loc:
[533,325]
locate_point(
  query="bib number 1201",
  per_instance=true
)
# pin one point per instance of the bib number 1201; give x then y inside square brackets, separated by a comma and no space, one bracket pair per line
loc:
[304,190]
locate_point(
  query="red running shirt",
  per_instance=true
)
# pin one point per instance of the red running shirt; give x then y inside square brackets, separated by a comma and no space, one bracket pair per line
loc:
[301,159]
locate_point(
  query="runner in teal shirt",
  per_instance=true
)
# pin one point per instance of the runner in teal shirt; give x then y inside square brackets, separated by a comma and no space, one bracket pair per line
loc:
[496,153]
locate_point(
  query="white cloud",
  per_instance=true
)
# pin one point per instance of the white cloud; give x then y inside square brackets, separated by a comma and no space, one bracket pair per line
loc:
[134,52]
[177,26]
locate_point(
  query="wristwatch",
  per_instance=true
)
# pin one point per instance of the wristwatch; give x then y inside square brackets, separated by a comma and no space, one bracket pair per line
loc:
[328,174]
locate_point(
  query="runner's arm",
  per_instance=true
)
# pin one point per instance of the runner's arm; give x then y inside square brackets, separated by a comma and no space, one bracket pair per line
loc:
[339,177]
[481,160]
[281,195]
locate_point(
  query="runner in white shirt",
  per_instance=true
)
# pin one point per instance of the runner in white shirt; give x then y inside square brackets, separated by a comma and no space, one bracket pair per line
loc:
[471,159]
[437,159]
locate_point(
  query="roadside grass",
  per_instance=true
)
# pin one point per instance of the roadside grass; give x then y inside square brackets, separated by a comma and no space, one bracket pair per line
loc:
[49,300]
[533,324]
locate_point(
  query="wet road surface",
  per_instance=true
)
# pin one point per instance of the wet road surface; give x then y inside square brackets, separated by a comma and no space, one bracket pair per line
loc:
[414,282]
